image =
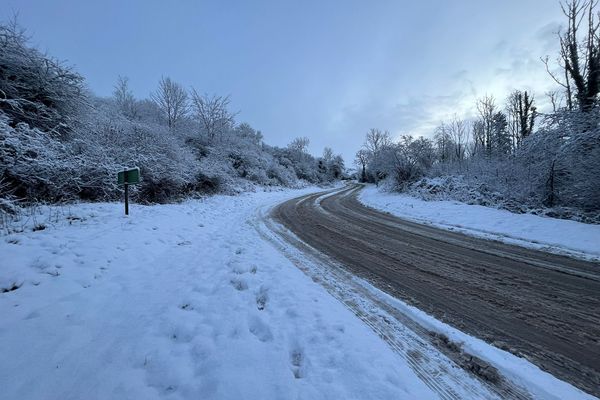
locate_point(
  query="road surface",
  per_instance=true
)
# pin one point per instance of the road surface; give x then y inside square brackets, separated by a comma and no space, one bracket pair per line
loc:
[541,306]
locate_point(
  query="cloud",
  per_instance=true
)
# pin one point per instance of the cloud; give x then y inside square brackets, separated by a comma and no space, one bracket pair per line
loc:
[508,66]
[414,115]
[547,36]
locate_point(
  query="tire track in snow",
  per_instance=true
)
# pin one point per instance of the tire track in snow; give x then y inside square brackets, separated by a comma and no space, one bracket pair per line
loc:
[407,338]
[534,304]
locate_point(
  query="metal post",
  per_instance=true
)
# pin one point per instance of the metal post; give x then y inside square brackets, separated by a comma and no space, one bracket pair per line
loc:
[126,199]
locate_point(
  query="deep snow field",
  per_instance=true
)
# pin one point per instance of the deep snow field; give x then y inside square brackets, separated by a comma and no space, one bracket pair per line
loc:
[549,234]
[179,301]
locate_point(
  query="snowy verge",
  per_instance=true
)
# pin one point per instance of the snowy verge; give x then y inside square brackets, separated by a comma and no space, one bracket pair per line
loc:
[549,234]
[179,301]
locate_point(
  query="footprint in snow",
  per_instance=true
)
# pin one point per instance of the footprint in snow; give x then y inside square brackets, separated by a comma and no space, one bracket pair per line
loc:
[298,361]
[239,284]
[236,267]
[261,298]
[33,315]
[259,329]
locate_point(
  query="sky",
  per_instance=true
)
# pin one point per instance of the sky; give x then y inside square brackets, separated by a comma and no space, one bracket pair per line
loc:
[327,70]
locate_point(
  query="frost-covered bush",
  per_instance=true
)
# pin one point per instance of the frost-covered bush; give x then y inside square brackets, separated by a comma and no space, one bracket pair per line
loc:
[581,160]
[242,148]
[8,202]
[60,143]
[282,174]
[207,184]
[462,189]
[38,167]
[565,158]
[34,88]
[35,166]
[555,172]
[401,163]
[168,166]
[159,189]
[305,166]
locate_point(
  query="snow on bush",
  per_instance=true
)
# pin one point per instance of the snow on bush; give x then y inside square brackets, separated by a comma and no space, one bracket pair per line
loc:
[59,143]
[35,88]
[555,171]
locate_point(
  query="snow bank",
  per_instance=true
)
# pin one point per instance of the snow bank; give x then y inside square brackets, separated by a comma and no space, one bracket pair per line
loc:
[554,235]
[178,301]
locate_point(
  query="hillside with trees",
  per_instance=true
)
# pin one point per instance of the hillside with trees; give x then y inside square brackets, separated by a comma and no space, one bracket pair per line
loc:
[59,142]
[512,155]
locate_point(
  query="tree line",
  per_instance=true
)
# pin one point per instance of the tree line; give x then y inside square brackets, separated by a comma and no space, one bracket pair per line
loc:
[512,152]
[60,142]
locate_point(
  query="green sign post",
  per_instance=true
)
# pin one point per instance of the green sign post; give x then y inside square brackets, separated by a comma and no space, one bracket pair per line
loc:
[128,177]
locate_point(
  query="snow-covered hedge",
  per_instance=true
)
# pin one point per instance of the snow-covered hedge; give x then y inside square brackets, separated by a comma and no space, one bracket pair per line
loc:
[59,143]
[34,87]
[36,167]
[555,171]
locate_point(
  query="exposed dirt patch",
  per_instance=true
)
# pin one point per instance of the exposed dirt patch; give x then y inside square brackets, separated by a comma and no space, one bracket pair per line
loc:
[466,361]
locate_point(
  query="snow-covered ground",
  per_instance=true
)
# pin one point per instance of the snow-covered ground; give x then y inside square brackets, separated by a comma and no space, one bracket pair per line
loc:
[550,234]
[192,301]
[178,301]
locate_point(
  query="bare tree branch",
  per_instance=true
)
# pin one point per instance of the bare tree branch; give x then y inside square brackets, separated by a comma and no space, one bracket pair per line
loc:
[172,100]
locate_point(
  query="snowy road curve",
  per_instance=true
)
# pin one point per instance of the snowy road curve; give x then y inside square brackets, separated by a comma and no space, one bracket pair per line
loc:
[538,305]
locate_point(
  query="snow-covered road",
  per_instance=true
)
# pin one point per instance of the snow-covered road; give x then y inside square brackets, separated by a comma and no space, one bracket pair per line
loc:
[179,301]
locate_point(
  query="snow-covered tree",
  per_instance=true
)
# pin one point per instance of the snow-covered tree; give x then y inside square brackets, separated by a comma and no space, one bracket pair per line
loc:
[579,58]
[521,113]
[486,108]
[377,140]
[500,137]
[336,168]
[36,88]
[327,154]
[124,98]
[443,142]
[458,132]
[299,145]
[172,101]
[212,112]
[361,160]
